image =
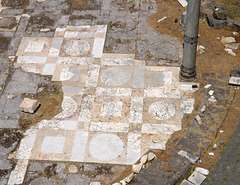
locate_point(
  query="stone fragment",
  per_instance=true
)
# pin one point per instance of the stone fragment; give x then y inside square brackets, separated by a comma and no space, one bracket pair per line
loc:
[151,156]
[212,99]
[215,146]
[236,24]
[221,131]
[203,109]
[230,22]
[207,86]
[129,178]
[137,168]
[215,23]
[230,51]
[193,159]
[184,3]
[11,96]
[95,183]
[211,92]
[185,182]
[220,12]
[235,33]
[29,105]
[198,119]
[233,46]
[162,19]
[221,142]
[73,169]
[211,153]
[44,29]
[201,49]
[117,183]
[228,40]
[196,178]
[203,171]
[123,182]
[143,159]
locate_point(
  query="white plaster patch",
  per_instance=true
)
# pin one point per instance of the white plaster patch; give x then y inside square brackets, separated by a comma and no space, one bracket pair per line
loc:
[115,76]
[106,147]
[111,109]
[53,144]
[69,106]
[108,127]
[160,128]
[34,46]
[161,110]
[76,47]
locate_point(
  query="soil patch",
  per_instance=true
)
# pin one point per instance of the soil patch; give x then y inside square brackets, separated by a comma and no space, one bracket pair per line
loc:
[41,21]
[50,99]
[5,41]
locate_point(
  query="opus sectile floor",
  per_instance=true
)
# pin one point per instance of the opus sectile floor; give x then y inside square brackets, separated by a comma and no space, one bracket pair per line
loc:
[115,108]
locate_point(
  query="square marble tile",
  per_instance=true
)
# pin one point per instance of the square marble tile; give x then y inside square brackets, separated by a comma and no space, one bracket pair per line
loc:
[34,46]
[53,145]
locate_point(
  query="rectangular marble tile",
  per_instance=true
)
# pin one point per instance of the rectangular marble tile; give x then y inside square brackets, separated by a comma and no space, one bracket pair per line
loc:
[86,108]
[24,151]
[108,127]
[70,125]
[160,128]
[118,61]
[138,77]
[98,46]
[30,59]
[133,148]
[18,174]
[162,93]
[56,46]
[71,90]
[79,146]
[74,60]
[48,69]
[136,110]
[92,78]
[113,91]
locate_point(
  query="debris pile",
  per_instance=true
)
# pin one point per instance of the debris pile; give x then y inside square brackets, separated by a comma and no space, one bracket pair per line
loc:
[230,45]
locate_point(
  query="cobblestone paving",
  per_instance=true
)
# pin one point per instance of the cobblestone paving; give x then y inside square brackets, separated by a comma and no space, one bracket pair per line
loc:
[115,108]
[227,169]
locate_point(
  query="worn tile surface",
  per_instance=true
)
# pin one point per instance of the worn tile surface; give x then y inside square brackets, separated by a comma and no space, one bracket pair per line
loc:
[115,108]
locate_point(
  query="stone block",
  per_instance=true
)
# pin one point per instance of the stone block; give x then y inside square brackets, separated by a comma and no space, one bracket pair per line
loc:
[235,76]
[215,23]
[220,13]
[236,24]
[230,22]
[196,178]
[29,105]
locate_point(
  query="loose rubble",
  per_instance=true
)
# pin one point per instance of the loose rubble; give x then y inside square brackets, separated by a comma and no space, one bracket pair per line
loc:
[29,105]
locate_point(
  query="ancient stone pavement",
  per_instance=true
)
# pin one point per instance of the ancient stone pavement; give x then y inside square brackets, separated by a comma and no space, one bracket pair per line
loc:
[115,108]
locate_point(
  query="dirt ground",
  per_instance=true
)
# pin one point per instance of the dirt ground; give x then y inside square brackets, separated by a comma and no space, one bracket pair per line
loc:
[215,60]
